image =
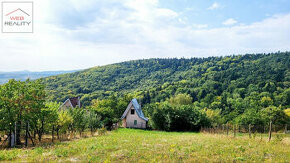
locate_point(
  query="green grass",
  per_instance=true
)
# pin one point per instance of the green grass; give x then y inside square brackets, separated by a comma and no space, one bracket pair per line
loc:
[129,145]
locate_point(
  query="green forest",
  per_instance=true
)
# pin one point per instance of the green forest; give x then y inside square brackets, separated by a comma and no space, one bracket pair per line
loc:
[237,88]
[204,79]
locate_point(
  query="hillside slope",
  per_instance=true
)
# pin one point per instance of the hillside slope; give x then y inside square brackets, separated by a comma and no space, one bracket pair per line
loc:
[157,79]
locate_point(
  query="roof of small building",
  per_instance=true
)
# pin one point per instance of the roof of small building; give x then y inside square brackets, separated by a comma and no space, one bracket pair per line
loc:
[73,101]
[138,109]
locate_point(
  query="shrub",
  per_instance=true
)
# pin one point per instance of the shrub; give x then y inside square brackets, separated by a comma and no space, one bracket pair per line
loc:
[178,118]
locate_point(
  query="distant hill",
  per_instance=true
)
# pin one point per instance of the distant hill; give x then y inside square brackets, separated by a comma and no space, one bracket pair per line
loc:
[23,75]
[205,79]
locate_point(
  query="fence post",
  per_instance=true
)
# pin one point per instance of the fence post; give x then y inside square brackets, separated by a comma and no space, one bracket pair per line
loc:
[250,131]
[270,130]
[227,129]
[15,127]
[10,136]
[52,133]
[234,130]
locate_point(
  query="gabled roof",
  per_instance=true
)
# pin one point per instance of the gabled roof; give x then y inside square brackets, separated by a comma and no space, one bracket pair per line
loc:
[73,101]
[138,109]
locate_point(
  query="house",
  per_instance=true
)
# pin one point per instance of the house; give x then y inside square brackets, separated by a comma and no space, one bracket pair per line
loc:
[71,103]
[133,116]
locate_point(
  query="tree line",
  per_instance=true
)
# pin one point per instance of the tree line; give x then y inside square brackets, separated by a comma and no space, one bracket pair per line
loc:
[24,111]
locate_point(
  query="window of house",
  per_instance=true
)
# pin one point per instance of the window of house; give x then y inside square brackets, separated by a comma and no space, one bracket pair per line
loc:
[132,111]
[135,122]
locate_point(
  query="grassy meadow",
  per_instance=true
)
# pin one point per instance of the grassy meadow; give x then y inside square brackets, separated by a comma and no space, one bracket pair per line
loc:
[133,145]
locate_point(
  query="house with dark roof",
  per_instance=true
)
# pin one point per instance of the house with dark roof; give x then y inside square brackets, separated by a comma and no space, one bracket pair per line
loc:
[133,116]
[72,102]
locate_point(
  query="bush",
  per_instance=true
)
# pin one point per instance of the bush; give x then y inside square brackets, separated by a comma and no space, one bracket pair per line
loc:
[178,118]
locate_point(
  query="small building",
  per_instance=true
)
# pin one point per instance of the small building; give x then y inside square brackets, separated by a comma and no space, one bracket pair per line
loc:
[71,103]
[133,116]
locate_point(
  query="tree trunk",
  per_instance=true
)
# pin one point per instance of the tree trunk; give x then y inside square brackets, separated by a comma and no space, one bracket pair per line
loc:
[57,132]
[40,133]
[31,138]
[10,137]
[18,132]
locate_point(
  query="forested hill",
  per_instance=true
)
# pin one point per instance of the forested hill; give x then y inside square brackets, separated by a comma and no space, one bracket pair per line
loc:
[204,79]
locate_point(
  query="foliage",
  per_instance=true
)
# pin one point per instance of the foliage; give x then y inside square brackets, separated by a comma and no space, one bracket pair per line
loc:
[214,116]
[166,116]
[287,112]
[20,102]
[94,120]
[110,110]
[23,103]
[64,121]
[46,118]
[252,117]
[80,121]
[236,85]
[180,99]
[274,114]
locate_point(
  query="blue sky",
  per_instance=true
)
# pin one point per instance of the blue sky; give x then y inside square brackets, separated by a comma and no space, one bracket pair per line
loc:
[74,34]
[215,12]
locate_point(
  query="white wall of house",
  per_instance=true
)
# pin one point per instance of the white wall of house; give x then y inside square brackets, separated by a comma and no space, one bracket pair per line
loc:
[130,118]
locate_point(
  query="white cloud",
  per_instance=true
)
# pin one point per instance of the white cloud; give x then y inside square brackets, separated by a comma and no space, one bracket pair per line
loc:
[230,21]
[131,29]
[166,13]
[199,26]
[214,6]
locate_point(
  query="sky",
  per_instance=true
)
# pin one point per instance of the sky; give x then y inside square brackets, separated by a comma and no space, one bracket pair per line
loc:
[79,34]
